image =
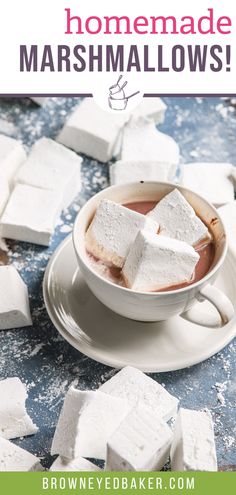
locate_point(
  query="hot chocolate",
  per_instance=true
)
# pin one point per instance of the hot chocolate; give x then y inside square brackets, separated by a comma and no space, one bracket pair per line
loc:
[205,250]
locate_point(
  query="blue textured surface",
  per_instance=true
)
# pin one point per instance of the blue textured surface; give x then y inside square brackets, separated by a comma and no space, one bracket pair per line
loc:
[205,130]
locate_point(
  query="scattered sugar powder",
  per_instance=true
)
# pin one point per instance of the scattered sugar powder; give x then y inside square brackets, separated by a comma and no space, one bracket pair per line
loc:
[224,110]
[229,441]
[107,376]
[36,349]
[65,229]
[221,398]
[221,388]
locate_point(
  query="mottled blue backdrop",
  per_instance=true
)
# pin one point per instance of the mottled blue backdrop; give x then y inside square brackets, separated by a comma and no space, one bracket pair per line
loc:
[205,129]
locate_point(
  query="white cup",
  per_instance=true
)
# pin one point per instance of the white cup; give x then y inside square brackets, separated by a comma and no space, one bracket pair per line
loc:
[154,306]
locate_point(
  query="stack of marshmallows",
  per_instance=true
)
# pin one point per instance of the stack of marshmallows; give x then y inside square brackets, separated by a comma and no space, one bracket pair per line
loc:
[128,240]
[141,151]
[35,189]
[124,422]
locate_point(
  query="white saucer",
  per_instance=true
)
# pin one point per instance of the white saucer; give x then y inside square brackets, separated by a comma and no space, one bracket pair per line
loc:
[110,339]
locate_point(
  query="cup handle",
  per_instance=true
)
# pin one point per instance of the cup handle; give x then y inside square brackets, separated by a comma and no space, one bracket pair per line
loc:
[219,300]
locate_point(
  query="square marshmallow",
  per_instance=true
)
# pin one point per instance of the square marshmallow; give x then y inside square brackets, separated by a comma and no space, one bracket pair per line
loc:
[117,148]
[78,464]
[177,219]
[14,300]
[92,131]
[52,166]
[140,390]
[38,99]
[228,215]
[14,420]
[86,422]
[12,155]
[143,142]
[193,448]
[140,443]
[213,181]
[31,214]
[112,231]
[152,108]
[13,458]
[123,172]
[156,262]
[233,174]
[4,193]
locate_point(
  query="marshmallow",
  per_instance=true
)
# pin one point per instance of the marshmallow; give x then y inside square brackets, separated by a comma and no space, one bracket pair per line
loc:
[122,172]
[228,215]
[38,99]
[13,458]
[141,390]
[7,128]
[92,131]
[86,422]
[4,193]
[112,231]
[152,108]
[211,180]
[31,215]
[78,464]
[14,301]
[118,144]
[140,443]
[233,174]
[52,166]
[193,447]
[143,142]
[14,420]
[12,155]
[177,219]
[156,262]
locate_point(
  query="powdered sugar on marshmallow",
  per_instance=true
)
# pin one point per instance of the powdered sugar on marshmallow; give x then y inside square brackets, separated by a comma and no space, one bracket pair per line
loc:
[38,99]
[14,458]
[92,131]
[140,390]
[142,141]
[31,214]
[14,300]
[140,443]
[122,172]
[177,219]
[4,193]
[86,422]
[14,420]
[112,231]
[78,464]
[156,262]
[193,448]
[52,166]
[228,215]
[152,108]
[12,155]
[212,180]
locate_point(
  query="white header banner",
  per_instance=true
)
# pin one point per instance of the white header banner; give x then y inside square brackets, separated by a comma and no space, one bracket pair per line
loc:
[84,46]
